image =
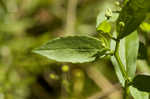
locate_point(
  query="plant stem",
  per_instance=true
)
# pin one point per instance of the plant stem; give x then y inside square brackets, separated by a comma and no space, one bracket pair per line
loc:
[121,66]
[126,90]
[123,71]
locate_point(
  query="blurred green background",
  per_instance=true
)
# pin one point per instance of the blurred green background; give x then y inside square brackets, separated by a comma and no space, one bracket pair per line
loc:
[27,24]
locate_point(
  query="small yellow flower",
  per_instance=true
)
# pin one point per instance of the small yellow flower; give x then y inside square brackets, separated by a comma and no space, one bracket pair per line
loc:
[53,76]
[65,68]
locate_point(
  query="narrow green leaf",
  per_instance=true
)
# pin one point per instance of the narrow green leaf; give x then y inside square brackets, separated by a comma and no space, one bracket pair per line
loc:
[132,15]
[75,49]
[142,82]
[131,48]
[138,94]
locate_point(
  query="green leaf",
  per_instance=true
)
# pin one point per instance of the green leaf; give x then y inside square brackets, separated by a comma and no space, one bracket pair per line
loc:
[131,53]
[138,94]
[142,82]
[128,53]
[104,27]
[132,15]
[75,49]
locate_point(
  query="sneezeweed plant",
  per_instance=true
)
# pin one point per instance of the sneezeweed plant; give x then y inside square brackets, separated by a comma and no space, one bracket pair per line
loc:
[120,41]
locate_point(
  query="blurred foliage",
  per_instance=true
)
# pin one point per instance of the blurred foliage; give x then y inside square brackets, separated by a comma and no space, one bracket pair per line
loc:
[27,24]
